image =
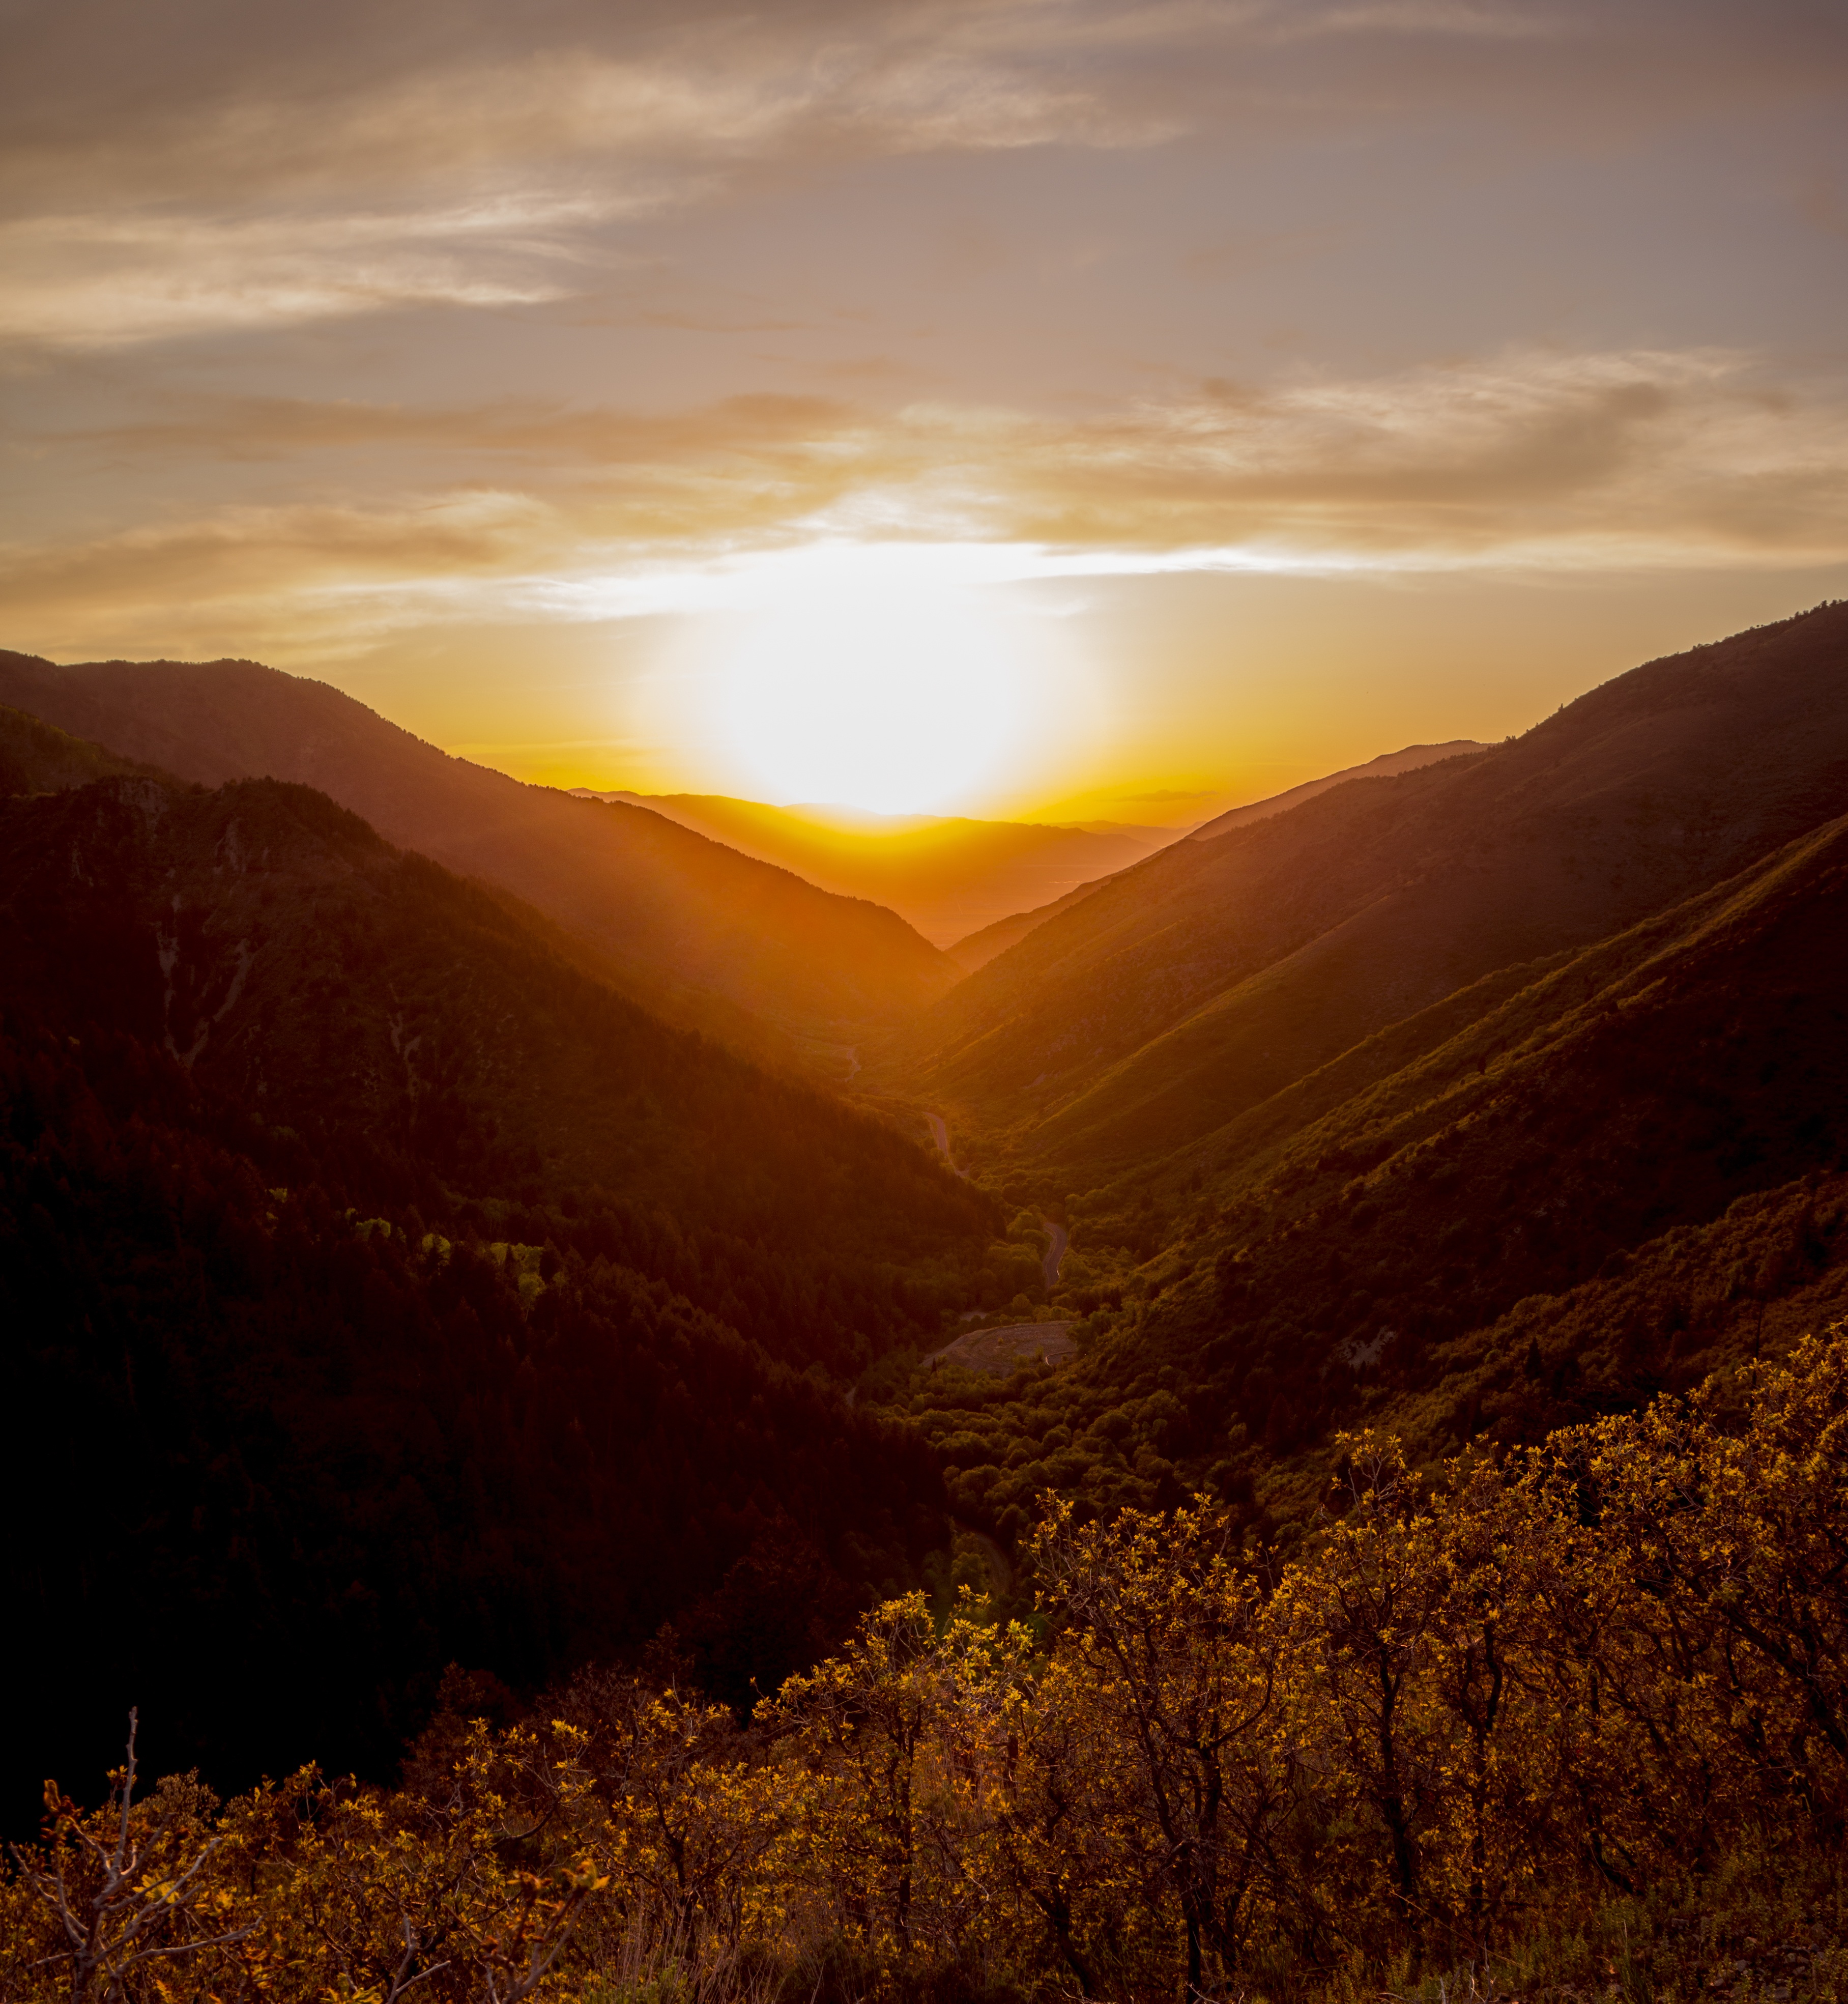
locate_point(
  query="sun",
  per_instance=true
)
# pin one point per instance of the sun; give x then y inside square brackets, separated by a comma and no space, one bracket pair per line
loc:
[893,696]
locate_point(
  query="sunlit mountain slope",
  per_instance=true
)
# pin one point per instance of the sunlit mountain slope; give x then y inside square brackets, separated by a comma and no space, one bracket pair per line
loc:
[666,908]
[1385,767]
[948,877]
[979,948]
[1559,1190]
[1198,983]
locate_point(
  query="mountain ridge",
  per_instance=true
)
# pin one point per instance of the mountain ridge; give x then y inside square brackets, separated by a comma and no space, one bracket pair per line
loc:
[1206,977]
[949,875]
[669,910]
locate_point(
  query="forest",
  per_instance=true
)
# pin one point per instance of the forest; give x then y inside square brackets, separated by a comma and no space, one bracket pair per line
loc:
[1575,1722]
[385,1291]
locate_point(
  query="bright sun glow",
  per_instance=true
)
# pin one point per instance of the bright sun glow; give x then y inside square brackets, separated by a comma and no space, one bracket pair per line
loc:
[886,696]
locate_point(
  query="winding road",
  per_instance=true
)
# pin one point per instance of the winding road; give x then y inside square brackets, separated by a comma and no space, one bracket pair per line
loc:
[1054,1256]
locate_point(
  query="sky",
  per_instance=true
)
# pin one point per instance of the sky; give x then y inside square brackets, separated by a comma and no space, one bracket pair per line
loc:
[1049,407]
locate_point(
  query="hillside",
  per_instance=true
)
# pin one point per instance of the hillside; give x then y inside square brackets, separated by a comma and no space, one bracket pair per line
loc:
[948,877]
[1196,985]
[1385,767]
[1566,1187]
[670,913]
[381,1292]
[36,757]
[296,965]
[980,948]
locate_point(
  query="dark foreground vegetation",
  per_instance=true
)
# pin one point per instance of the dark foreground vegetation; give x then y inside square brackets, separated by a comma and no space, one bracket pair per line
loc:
[1576,1724]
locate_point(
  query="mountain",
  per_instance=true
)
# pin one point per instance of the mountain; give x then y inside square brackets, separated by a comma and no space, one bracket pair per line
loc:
[1384,767]
[380,1291]
[1566,1187]
[947,876]
[980,948]
[294,963]
[672,916]
[1199,983]
[37,758]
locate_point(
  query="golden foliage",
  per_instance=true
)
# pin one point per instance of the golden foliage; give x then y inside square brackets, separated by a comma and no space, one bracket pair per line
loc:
[1478,1707]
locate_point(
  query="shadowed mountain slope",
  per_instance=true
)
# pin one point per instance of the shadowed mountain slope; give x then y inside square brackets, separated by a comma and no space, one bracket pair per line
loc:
[1556,1191]
[948,877]
[1198,984]
[667,908]
[37,758]
[378,1291]
[294,963]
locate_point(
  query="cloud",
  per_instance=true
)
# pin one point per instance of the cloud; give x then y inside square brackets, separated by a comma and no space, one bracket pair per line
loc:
[207,164]
[1537,459]
[100,281]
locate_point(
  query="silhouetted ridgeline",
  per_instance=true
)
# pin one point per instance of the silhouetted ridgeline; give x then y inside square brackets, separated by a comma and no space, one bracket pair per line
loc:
[692,928]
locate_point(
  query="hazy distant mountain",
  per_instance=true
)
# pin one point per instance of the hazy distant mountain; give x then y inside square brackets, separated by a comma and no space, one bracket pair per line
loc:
[947,876]
[667,909]
[1382,768]
[1196,984]
[979,948]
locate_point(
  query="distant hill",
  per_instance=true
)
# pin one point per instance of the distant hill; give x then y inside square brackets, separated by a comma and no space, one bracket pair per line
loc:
[979,948]
[674,916]
[379,1290]
[947,876]
[1200,982]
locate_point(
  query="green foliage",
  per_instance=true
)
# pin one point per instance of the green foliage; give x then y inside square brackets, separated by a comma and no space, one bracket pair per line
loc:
[1542,1200]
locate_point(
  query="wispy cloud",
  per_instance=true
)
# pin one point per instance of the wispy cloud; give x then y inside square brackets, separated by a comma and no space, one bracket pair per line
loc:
[276,165]
[1535,460]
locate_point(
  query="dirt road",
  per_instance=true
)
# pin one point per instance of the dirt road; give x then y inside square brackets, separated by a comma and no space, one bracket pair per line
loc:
[1000,1350]
[1055,1253]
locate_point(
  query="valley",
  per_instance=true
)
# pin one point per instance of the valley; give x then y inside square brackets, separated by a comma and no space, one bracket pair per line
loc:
[924,1003]
[502,1270]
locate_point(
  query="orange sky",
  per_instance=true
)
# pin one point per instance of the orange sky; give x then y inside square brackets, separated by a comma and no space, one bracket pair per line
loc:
[1003,407]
